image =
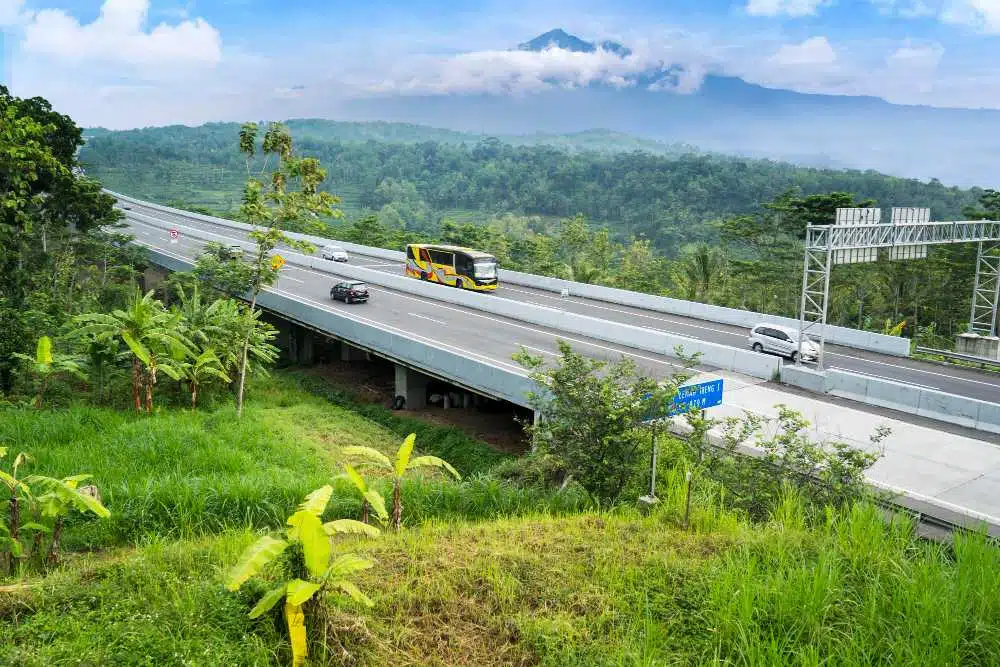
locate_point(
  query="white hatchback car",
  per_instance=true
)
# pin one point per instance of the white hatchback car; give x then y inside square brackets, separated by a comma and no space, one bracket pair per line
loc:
[334,252]
[782,340]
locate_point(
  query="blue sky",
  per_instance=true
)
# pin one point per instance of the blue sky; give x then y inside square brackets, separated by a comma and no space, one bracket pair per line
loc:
[127,63]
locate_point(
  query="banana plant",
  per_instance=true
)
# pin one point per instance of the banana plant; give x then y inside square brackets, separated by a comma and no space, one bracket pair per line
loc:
[46,366]
[20,494]
[57,499]
[309,539]
[370,498]
[153,336]
[60,497]
[403,463]
[200,370]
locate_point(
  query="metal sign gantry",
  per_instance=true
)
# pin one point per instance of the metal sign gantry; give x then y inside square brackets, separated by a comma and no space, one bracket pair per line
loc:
[856,237]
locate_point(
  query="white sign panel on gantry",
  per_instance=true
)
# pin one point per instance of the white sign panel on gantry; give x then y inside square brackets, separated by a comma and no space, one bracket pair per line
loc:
[909,216]
[853,217]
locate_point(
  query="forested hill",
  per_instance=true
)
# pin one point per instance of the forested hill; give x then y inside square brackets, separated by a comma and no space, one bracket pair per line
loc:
[599,140]
[669,198]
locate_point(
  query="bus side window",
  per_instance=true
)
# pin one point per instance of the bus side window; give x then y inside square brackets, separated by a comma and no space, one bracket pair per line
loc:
[424,255]
[463,265]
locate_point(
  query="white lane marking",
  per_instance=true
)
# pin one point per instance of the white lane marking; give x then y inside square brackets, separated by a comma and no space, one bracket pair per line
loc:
[424,317]
[871,361]
[374,323]
[375,266]
[588,304]
[438,304]
[538,349]
[882,377]
[288,277]
[388,327]
[916,370]
[848,370]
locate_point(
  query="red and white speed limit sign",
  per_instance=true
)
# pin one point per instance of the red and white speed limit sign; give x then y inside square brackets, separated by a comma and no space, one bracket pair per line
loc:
[174,235]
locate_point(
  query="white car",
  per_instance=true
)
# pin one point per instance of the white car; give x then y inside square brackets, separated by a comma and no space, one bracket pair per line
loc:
[334,252]
[782,340]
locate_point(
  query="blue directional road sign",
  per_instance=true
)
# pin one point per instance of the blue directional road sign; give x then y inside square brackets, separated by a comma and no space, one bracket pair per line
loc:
[690,397]
[697,396]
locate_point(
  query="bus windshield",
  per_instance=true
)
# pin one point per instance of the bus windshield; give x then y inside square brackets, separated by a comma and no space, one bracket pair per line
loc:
[485,268]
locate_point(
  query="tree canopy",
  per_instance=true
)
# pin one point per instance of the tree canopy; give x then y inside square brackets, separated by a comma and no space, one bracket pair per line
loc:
[50,226]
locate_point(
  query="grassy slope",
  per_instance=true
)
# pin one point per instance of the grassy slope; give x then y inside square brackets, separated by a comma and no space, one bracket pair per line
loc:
[523,587]
[591,589]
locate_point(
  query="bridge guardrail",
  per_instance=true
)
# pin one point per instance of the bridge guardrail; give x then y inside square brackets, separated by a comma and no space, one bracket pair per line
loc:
[659,342]
[399,346]
[862,340]
[930,403]
[855,338]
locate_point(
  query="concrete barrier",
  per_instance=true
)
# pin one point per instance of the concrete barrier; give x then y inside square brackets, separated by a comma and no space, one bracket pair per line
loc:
[651,340]
[429,357]
[929,403]
[804,378]
[855,338]
[863,340]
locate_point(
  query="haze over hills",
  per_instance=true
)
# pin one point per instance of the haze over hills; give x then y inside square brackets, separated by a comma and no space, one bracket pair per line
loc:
[321,129]
[722,114]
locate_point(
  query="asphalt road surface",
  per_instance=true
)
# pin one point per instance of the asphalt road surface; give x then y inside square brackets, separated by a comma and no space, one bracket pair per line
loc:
[497,338]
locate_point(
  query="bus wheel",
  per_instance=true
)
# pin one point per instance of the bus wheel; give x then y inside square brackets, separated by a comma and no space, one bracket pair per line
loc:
[460,283]
[423,275]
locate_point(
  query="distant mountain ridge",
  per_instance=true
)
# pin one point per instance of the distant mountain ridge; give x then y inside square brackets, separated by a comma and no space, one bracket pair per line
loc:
[723,115]
[561,39]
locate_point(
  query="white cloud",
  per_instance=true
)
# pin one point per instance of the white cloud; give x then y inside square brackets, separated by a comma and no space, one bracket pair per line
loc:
[519,72]
[118,35]
[10,12]
[794,8]
[908,9]
[982,15]
[813,51]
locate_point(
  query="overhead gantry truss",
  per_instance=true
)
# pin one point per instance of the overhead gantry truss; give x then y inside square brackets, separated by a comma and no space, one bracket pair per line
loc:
[858,234]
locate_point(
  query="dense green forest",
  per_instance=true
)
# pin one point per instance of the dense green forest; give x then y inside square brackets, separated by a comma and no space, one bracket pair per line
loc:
[670,200]
[699,226]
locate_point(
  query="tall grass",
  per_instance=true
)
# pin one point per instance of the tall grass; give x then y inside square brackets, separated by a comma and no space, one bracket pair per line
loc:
[183,473]
[858,592]
[484,573]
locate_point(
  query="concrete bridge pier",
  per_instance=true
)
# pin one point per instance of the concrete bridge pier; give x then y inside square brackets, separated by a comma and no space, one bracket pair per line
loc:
[301,345]
[351,353]
[412,387]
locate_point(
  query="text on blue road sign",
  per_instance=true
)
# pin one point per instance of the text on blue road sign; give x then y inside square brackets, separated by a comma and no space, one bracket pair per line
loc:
[690,397]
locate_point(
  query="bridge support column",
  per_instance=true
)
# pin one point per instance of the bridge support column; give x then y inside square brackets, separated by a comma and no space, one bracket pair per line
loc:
[307,344]
[351,353]
[153,277]
[300,343]
[412,386]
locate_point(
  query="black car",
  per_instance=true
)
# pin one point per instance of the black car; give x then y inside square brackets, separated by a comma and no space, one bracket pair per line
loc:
[349,291]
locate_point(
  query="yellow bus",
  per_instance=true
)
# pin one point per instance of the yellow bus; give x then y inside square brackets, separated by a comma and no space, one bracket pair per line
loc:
[452,265]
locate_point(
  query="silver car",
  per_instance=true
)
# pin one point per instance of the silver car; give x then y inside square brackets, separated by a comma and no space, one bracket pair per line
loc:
[781,340]
[334,252]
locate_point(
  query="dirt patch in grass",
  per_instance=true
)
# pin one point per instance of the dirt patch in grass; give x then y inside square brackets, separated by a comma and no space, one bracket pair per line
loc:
[373,383]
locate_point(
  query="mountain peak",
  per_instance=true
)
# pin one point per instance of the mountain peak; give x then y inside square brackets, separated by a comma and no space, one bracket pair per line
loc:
[561,39]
